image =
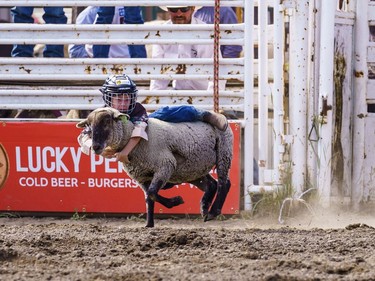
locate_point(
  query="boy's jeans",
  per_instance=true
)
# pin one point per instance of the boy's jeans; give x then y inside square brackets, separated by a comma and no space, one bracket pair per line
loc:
[178,113]
[133,15]
[54,15]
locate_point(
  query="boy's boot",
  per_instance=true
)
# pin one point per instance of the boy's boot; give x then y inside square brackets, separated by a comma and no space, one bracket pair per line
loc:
[216,119]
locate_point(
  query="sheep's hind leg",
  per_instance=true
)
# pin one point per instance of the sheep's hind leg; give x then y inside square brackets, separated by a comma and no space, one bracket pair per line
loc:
[222,192]
[209,186]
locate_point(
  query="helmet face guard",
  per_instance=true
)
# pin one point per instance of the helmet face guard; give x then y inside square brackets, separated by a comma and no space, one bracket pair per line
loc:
[120,92]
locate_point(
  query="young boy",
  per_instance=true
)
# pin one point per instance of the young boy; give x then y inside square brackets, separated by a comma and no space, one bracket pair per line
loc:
[120,92]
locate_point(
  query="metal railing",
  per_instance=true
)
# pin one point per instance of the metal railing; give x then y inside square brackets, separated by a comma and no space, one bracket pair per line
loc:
[16,72]
[66,83]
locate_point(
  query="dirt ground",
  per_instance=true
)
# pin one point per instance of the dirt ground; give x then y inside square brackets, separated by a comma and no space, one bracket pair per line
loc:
[325,247]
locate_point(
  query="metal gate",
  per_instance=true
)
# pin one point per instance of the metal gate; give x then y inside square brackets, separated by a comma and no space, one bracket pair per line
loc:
[304,112]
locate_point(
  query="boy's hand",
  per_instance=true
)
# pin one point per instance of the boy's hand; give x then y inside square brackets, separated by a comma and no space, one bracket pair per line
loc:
[108,153]
[122,157]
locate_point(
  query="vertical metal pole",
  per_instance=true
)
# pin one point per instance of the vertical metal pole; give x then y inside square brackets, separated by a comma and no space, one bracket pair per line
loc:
[216,54]
[360,110]
[313,98]
[263,87]
[298,92]
[278,89]
[326,99]
[248,101]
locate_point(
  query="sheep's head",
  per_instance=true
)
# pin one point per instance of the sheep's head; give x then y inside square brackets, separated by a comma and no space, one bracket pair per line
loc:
[102,123]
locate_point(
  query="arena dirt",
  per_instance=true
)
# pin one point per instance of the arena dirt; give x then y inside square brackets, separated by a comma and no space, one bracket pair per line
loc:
[324,247]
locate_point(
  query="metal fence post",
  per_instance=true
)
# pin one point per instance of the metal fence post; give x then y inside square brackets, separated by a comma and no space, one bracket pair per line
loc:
[299,92]
[360,91]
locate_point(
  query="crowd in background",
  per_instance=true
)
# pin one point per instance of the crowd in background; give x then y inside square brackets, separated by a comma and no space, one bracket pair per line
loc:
[125,15]
[104,15]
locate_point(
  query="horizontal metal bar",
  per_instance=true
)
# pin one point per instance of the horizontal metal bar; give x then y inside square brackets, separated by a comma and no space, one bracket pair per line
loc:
[28,74]
[92,69]
[58,99]
[65,69]
[82,3]
[137,28]
[345,18]
[104,41]
[96,105]
[124,61]
[231,34]
[96,93]
[64,99]
[261,188]
[118,34]
[149,3]
[102,77]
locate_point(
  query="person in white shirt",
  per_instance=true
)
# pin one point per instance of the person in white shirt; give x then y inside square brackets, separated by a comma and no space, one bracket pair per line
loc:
[89,16]
[183,15]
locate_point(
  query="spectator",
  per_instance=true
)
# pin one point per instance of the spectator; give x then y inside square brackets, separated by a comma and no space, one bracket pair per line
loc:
[89,16]
[52,15]
[132,15]
[55,15]
[183,15]
[227,16]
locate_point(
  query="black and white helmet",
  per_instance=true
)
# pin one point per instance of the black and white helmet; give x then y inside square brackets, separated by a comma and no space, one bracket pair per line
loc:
[123,87]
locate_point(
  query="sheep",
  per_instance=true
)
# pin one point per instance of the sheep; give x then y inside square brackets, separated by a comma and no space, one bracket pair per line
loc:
[175,153]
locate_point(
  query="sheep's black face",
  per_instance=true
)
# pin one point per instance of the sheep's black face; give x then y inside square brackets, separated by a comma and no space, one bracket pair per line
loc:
[102,123]
[101,131]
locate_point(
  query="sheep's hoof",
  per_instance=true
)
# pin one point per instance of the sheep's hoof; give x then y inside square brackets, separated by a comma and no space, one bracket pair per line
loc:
[212,214]
[204,212]
[204,208]
[178,200]
[150,225]
[208,217]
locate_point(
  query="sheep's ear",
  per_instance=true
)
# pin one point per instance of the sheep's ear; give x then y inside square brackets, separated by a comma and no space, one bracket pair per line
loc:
[82,124]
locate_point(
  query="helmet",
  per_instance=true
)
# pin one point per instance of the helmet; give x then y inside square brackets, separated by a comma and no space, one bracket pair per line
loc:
[122,89]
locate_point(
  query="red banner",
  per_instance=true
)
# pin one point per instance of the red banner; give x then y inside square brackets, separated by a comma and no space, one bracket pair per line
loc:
[42,169]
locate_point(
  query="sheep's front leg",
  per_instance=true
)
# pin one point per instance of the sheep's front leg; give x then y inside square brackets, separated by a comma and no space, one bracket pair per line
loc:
[161,176]
[159,180]
[209,186]
[154,188]
[150,204]
[151,197]
[169,202]
[166,202]
[222,191]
